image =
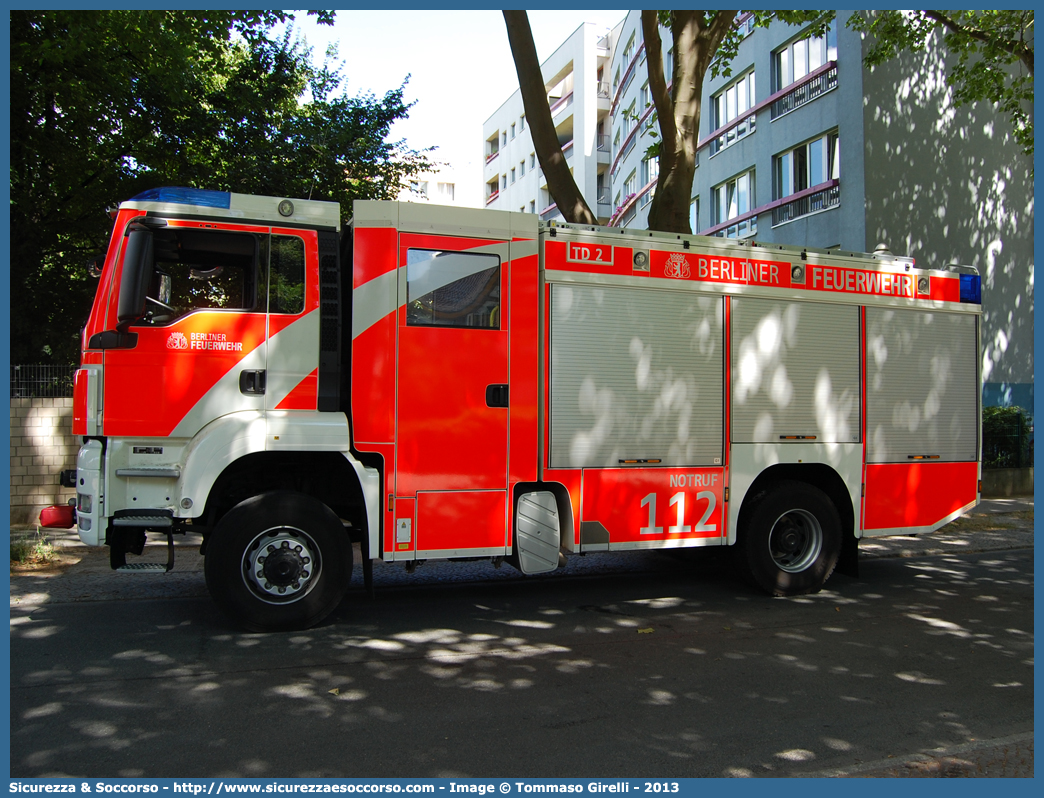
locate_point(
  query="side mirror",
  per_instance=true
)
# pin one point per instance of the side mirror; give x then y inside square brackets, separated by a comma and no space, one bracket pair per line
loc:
[137,274]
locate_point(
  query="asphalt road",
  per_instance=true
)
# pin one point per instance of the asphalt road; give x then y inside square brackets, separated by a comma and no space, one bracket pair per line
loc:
[669,668]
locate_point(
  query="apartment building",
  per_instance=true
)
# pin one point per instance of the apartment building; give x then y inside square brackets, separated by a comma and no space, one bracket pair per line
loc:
[801,145]
[576,77]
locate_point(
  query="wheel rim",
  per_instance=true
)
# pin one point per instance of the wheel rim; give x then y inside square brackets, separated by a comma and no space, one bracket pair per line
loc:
[795,541]
[281,565]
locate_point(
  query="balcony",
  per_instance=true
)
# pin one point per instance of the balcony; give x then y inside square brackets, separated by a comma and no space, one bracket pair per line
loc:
[492,155]
[603,90]
[733,132]
[560,105]
[567,150]
[811,86]
[549,213]
[603,149]
[492,196]
[812,200]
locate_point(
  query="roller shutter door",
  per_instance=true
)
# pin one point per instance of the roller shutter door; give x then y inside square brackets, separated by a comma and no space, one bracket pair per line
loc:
[635,375]
[922,386]
[795,371]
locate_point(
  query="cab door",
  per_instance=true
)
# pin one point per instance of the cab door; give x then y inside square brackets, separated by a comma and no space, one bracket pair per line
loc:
[204,327]
[453,397]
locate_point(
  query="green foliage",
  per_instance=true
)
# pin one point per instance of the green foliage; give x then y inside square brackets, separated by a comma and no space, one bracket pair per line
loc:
[105,104]
[993,50]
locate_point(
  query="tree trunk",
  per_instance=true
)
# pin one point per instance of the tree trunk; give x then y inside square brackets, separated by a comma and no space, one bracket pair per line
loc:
[697,36]
[560,181]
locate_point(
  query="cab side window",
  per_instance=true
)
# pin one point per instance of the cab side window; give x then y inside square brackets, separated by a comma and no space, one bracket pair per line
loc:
[452,289]
[286,275]
[204,270]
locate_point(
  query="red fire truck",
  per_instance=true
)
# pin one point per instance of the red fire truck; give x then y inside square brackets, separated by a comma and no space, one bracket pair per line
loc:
[435,382]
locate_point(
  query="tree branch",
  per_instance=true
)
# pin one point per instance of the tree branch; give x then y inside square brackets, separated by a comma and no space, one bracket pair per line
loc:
[658,82]
[560,182]
[1023,53]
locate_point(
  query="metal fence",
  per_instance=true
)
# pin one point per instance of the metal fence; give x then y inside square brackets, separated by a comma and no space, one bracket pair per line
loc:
[1007,446]
[41,381]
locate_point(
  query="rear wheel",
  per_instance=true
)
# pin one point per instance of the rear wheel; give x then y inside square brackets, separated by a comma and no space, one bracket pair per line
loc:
[791,539]
[279,561]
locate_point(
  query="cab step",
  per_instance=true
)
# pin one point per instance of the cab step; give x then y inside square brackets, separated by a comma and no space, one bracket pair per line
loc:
[143,568]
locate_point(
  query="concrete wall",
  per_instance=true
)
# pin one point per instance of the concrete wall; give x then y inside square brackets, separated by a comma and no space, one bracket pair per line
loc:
[949,185]
[42,445]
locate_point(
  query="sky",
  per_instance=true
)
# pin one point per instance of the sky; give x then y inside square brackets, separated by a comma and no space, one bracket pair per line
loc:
[460,69]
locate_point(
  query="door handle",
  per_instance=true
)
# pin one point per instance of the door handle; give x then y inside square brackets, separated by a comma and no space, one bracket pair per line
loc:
[496,395]
[252,382]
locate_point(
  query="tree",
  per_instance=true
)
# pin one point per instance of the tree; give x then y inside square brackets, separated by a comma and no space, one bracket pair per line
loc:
[703,40]
[560,182]
[994,51]
[106,104]
[697,37]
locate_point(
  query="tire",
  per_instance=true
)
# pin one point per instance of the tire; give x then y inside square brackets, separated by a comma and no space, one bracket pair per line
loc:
[280,561]
[791,539]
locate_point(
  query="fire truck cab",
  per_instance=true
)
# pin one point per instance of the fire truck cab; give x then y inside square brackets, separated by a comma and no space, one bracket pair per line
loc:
[434,383]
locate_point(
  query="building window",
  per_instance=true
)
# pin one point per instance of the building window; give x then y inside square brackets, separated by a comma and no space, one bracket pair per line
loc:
[521,123]
[734,102]
[419,187]
[503,181]
[521,168]
[668,66]
[797,59]
[694,214]
[616,79]
[446,191]
[644,99]
[503,140]
[628,53]
[512,130]
[650,170]
[532,160]
[807,165]
[532,206]
[630,185]
[733,199]
[512,174]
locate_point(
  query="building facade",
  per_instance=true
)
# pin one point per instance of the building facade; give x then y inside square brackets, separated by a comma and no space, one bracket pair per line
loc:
[801,145]
[578,93]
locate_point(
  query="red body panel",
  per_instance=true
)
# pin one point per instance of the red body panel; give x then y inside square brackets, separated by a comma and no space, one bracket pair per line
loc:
[917,495]
[374,253]
[166,375]
[572,479]
[464,520]
[655,505]
[373,384]
[524,337]
[946,289]
[447,437]
[79,419]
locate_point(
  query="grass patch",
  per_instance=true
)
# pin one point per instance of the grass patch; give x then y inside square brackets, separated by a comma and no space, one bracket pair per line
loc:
[33,550]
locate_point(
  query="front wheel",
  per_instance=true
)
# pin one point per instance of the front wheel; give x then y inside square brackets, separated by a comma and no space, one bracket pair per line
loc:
[791,539]
[278,562]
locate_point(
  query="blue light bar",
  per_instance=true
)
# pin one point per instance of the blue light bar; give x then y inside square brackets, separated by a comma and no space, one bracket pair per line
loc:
[971,288]
[187,196]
